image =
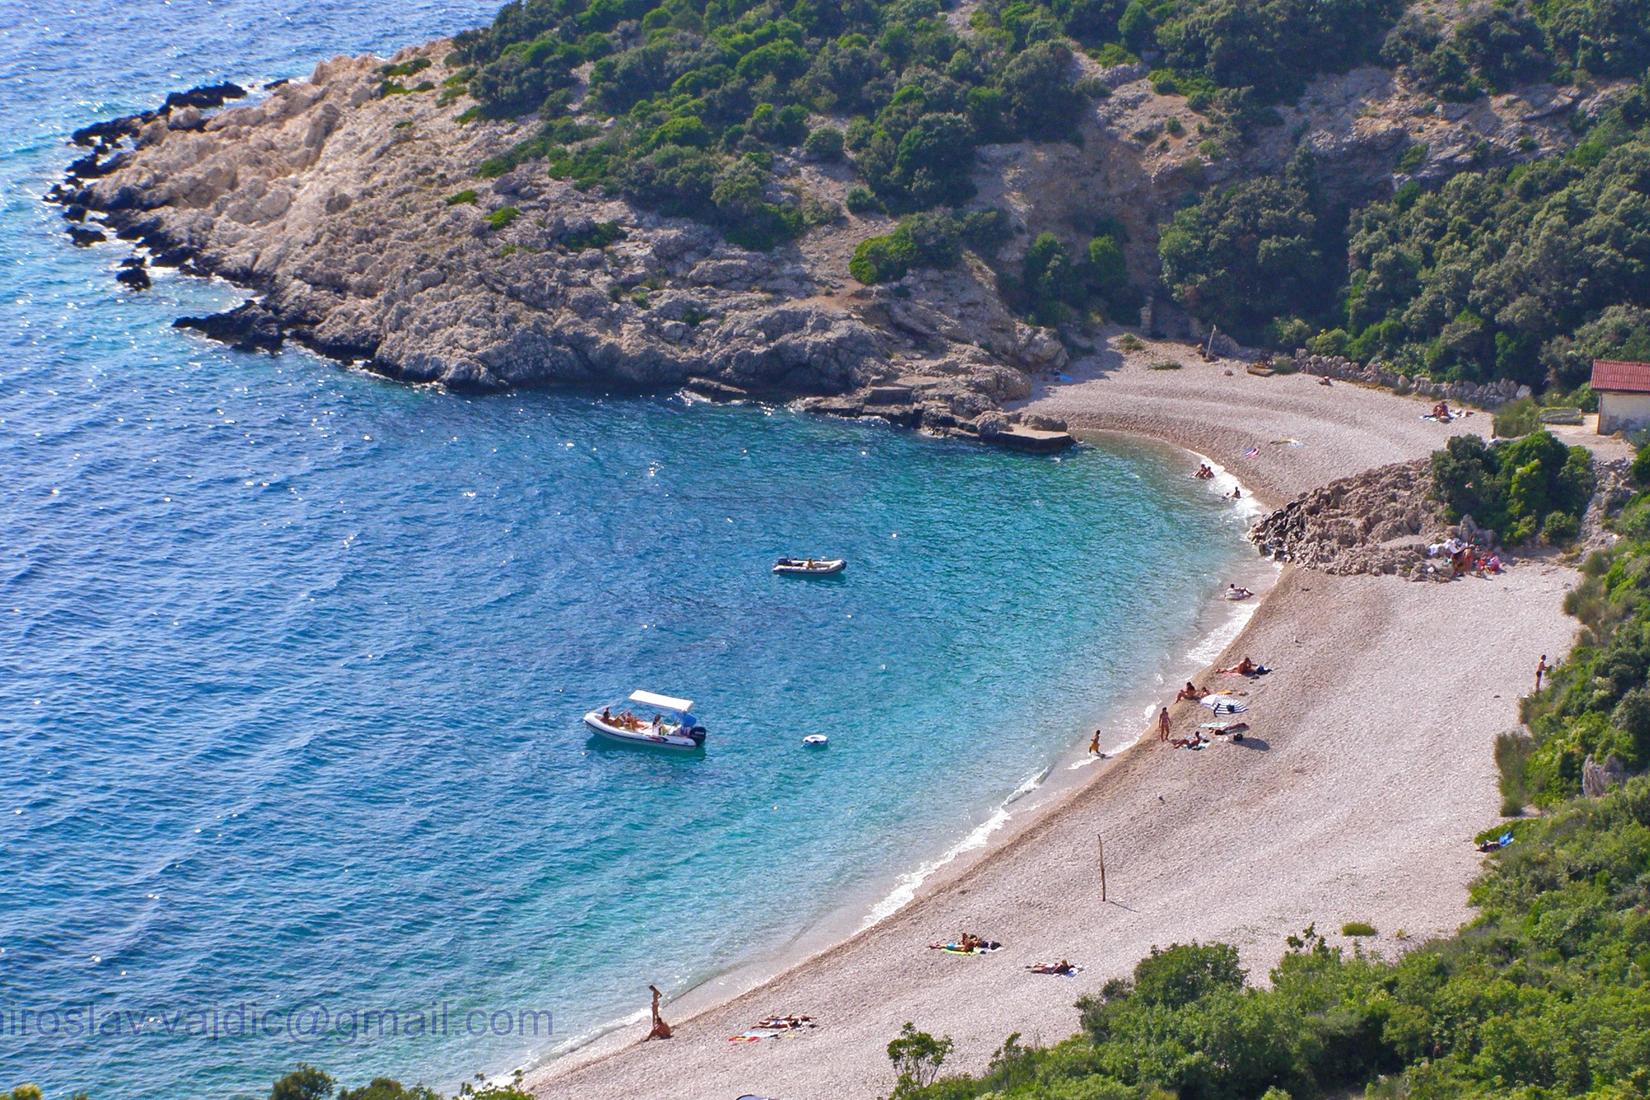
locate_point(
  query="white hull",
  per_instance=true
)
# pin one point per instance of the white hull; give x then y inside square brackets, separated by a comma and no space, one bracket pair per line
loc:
[646,736]
[827,568]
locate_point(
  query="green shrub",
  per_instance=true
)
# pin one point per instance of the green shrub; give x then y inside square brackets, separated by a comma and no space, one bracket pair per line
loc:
[921,240]
[1357,928]
[1517,418]
[1511,752]
[1641,466]
[596,235]
[825,143]
[503,216]
[1515,488]
[1245,255]
[406,68]
[461,198]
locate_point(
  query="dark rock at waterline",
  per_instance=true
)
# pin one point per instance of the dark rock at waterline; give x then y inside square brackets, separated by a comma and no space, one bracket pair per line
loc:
[273,84]
[90,167]
[110,130]
[134,277]
[84,238]
[206,96]
[250,326]
[176,256]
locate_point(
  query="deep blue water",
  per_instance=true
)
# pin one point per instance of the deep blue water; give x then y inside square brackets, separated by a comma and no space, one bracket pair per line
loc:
[292,659]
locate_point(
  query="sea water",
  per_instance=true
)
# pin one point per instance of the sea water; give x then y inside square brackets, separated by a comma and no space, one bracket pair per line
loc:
[292,659]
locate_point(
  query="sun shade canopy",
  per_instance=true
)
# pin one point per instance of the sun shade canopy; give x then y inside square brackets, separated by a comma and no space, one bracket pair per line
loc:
[663,702]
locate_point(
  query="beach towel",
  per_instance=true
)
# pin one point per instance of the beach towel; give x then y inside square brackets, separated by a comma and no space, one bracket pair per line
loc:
[953,949]
[1251,452]
[1218,728]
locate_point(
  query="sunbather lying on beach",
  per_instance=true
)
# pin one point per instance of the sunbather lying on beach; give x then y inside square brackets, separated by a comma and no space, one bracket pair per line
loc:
[785,1023]
[1063,968]
[1190,691]
[1245,667]
[1195,741]
[772,1027]
[968,944]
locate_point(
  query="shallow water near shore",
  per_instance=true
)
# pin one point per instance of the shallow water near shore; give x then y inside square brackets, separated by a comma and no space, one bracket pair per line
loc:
[294,658]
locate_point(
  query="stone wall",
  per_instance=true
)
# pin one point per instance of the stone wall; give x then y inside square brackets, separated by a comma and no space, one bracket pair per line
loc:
[1491,395]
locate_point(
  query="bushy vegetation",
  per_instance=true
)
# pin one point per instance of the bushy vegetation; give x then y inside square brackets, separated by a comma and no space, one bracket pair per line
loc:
[703,93]
[1597,703]
[1270,47]
[1521,273]
[1519,489]
[503,216]
[1525,272]
[1494,46]
[1246,256]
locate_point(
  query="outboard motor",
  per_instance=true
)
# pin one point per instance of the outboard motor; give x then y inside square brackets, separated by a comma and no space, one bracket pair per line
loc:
[697,733]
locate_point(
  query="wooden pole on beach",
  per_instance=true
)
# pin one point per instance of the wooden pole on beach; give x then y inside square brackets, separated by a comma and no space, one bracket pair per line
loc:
[1101,841]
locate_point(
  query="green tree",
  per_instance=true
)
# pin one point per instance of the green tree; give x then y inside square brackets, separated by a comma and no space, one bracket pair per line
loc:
[917,1058]
[304,1083]
[1244,255]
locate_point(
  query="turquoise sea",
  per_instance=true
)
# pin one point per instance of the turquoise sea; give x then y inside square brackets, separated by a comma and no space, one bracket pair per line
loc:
[292,659]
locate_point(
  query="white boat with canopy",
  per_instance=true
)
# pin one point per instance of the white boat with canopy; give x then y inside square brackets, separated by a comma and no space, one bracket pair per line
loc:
[669,722]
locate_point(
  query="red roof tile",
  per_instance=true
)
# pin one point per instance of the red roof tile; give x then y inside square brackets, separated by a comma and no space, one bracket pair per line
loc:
[1620,377]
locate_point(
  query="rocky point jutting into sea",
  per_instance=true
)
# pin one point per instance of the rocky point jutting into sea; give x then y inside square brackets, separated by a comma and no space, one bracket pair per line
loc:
[330,201]
[352,208]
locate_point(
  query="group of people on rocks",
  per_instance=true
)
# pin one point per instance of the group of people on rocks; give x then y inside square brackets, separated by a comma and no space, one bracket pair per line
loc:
[1465,558]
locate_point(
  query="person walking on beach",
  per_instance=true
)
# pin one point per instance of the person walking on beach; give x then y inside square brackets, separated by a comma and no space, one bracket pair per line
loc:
[661,1030]
[1540,671]
[1163,723]
[1094,745]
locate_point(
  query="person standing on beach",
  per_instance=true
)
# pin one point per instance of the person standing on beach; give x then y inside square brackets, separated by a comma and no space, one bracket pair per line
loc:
[1540,671]
[661,1030]
[1094,745]
[1163,723]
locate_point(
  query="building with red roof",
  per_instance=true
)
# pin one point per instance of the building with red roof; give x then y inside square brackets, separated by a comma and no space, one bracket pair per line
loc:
[1623,390]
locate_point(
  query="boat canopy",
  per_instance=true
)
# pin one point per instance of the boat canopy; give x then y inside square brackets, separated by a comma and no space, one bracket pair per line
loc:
[662,702]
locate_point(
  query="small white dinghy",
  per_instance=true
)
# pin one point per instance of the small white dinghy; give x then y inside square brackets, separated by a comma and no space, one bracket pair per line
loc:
[816,741]
[670,726]
[809,567]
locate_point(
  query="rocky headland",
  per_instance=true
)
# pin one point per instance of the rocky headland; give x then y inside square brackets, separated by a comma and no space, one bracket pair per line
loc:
[357,220]
[1384,521]
[352,209]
